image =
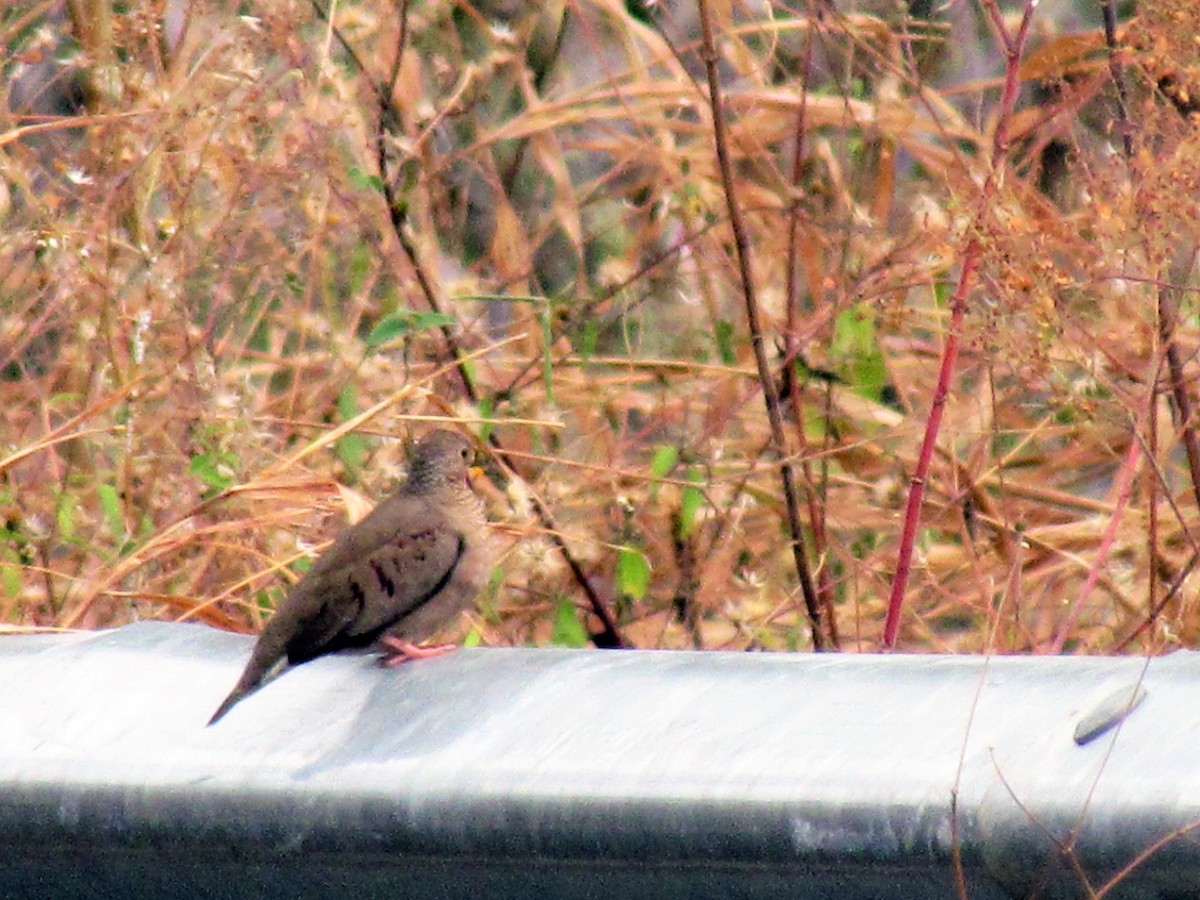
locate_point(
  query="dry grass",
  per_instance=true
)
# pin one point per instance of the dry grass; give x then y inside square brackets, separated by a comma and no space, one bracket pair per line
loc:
[201,282]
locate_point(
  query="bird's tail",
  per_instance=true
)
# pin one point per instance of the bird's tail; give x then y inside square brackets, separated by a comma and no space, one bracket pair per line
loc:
[238,693]
[258,672]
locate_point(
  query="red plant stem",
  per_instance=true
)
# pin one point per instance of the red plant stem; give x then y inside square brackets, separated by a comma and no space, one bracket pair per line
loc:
[916,493]
[1124,490]
[1013,46]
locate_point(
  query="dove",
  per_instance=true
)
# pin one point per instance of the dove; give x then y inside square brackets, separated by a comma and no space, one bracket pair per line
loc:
[412,565]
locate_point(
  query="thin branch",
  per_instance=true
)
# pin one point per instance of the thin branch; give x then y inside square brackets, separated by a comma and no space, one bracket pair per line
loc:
[1014,45]
[757,340]
[789,387]
[1183,410]
[1124,492]
[1109,10]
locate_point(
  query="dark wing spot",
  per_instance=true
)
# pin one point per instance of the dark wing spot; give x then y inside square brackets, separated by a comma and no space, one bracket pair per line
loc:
[357,593]
[385,583]
[421,540]
[416,536]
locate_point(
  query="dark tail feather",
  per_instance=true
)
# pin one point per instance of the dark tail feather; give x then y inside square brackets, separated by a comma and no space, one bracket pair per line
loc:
[238,693]
[255,676]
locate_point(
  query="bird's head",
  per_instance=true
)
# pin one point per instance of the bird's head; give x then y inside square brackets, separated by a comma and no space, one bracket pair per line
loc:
[441,457]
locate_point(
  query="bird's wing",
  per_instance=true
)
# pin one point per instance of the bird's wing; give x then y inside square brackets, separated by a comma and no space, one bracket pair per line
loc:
[396,516]
[354,603]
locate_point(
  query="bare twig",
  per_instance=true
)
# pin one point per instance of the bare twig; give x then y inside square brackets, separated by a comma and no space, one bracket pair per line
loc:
[1109,10]
[757,339]
[1184,412]
[792,352]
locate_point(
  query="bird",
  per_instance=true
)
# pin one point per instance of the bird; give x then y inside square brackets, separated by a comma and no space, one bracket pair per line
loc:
[413,564]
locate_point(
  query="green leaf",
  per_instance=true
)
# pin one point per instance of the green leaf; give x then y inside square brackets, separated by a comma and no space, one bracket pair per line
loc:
[404,322]
[65,514]
[689,505]
[364,181]
[387,329]
[11,576]
[661,463]
[110,506]
[568,630]
[423,321]
[547,344]
[263,601]
[362,258]
[590,339]
[941,293]
[351,448]
[663,460]
[854,340]
[633,572]
[487,409]
[216,469]
[723,335]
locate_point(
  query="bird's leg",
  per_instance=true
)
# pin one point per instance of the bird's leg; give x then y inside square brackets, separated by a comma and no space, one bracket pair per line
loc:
[400,651]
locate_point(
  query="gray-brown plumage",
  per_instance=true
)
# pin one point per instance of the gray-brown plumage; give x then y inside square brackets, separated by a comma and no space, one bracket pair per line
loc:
[396,577]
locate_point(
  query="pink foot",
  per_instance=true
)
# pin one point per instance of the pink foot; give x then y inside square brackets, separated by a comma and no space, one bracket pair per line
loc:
[401,651]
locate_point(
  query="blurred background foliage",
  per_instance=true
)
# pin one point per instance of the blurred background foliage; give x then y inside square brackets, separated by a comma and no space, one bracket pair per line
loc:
[243,246]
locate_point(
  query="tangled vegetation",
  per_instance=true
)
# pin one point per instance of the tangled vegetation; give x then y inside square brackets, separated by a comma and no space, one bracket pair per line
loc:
[930,308]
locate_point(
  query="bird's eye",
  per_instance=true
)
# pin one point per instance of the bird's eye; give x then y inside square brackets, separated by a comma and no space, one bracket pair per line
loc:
[465,453]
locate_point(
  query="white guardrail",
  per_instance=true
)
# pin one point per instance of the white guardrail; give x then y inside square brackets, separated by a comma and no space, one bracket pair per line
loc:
[514,773]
